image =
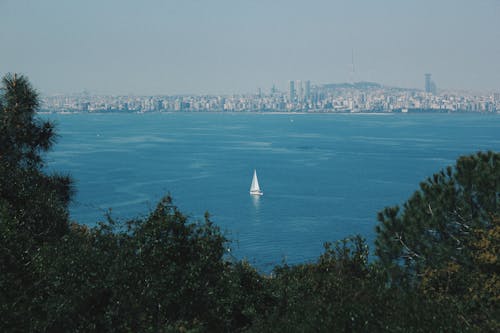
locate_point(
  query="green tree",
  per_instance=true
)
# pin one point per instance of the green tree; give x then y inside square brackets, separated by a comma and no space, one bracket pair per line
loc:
[445,243]
[23,137]
[436,224]
[474,290]
[154,274]
[37,202]
[33,205]
[343,292]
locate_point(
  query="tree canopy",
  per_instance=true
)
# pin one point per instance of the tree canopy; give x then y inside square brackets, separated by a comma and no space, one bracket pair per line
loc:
[36,201]
[439,224]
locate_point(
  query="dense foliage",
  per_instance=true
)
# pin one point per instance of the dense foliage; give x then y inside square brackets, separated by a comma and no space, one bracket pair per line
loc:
[436,265]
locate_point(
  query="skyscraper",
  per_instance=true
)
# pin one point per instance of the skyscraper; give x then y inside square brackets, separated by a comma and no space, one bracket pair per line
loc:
[307,92]
[291,90]
[430,86]
[300,90]
[428,82]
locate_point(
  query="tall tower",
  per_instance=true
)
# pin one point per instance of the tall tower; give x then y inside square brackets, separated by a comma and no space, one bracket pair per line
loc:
[428,83]
[300,90]
[291,90]
[307,92]
[352,76]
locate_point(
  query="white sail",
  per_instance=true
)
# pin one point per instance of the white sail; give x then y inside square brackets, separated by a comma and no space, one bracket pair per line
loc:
[255,182]
[255,188]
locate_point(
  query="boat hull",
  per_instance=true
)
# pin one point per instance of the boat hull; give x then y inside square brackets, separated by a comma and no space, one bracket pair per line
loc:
[256,193]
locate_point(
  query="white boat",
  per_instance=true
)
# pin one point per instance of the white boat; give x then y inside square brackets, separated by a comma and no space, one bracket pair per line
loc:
[254,188]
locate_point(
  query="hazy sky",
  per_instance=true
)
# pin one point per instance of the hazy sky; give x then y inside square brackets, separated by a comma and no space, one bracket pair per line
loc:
[231,46]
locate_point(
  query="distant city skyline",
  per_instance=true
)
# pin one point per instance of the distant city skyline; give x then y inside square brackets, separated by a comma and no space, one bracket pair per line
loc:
[232,46]
[300,97]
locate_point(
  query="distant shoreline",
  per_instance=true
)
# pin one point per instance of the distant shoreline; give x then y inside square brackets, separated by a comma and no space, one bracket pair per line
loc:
[416,111]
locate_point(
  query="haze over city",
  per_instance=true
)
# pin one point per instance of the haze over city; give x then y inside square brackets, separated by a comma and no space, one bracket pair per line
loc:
[228,46]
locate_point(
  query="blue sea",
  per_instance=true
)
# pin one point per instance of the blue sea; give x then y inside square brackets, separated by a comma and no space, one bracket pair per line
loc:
[324,176]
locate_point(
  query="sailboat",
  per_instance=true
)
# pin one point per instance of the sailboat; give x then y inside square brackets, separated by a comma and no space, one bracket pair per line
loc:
[254,188]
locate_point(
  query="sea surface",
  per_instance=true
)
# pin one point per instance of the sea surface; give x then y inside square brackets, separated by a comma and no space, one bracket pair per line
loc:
[324,176]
